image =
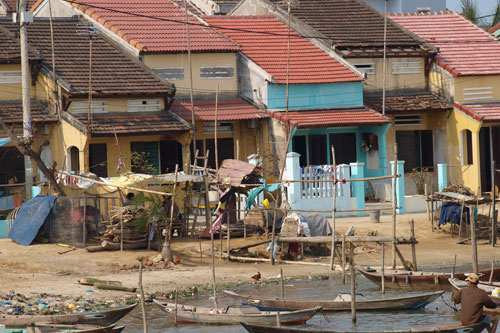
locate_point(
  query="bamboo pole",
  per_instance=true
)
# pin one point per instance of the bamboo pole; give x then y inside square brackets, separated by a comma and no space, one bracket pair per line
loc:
[228,237]
[460,230]
[426,192]
[413,248]
[343,258]
[283,286]
[491,270]
[114,185]
[208,218]
[215,129]
[353,283]
[394,204]
[121,231]
[432,212]
[168,238]
[334,200]
[143,306]
[383,268]
[176,300]
[493,239]
[474,246]
[84,219]
[327,239]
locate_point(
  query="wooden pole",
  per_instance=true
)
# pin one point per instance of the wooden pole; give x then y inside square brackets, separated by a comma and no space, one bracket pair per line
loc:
[383,268]
[143,306]
[278,321]
[220,237]
[84,219]
[413,247]
[474,246]
[176,299]
[228,237]
[343,258]
[172,206]
[188,35]
[334,200]
[454,266]
[427,201]
[121,231]
[237,149]
[432,211]
[461,226]
[353,283]
[394,205]
[209,222]
[493,240]
[491,271]
[283,286]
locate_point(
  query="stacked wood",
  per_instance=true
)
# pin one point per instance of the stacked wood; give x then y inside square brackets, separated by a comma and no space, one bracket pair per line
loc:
[458,189]
[132,239]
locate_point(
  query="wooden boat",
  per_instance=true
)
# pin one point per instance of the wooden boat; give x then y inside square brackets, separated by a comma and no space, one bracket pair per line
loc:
[411,279]
[338,304]
[234,315]
[103,318]
[459,284]
[452,328]
[56,328]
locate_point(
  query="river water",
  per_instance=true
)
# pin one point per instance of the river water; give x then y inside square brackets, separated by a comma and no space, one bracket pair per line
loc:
[436,313]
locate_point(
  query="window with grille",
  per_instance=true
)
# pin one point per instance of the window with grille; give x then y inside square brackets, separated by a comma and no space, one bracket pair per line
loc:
[170,73]
[143,105]
[407,67]
[217,72]
[10,77]
[83,107]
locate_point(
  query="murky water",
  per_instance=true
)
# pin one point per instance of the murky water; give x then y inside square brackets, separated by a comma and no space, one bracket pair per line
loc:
[436,313]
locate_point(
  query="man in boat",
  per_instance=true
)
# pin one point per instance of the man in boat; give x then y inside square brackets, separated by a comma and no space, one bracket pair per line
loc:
[473,300]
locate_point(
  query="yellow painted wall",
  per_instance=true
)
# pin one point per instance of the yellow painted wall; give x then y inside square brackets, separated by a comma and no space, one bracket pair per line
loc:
[492,81]
[200,86]
[114,104]
[12,91]
[468,175]
[441,82]
[394,81]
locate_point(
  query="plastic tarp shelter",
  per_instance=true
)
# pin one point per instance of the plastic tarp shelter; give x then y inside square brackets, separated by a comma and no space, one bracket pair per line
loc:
[30,219]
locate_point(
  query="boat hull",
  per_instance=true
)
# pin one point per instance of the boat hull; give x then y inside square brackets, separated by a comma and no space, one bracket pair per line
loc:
[102,318]
[410,279]
[453,328]
[459,284]
[200,315]
[400,303]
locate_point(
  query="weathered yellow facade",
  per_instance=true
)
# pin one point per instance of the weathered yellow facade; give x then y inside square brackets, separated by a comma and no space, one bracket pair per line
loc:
[201,86]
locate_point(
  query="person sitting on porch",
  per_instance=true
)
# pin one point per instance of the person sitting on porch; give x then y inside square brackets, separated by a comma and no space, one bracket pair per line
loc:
[473,299]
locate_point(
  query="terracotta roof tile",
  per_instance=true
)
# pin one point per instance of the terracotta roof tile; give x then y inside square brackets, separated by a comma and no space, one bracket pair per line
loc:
[135,124]
[411,103]
[481,112]
[11,112]
[264,40]
[13,7]
[204,110]
[113,73]
[332,117]
[465,48]
[155,25]
[349,23]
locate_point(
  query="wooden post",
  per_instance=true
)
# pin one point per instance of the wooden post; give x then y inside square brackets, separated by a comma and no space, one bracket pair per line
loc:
[491,271]
[343,258]
[278,321]
[121,230]
[413,246]
[334,200]
[426,191]
[176,298]
[282,283]
[432,212]
[172,206]
[84,219]
[383,268]
[454,266]
[220,237]
[394,205]
[143,306]
[229,235]
[215,128]
[209,222]
[237,149]
[493,240]
[353,284]
[272,233]
[403,261]
[460,227]
[473,239]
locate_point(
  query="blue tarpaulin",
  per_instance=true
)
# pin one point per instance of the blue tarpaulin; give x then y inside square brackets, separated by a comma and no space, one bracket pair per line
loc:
[4,141]
[30,219]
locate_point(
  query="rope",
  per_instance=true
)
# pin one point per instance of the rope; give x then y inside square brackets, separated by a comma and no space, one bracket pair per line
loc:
[324,316]
[453,307]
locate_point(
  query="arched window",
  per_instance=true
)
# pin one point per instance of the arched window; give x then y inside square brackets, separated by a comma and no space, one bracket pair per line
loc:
[466,140]
[74,159]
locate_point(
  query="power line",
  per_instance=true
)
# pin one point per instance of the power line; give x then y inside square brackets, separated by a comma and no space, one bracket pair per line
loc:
[296,35]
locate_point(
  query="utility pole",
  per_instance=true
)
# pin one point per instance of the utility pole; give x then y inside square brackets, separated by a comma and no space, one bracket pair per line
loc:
[385,59]
[188,35]
[25,87]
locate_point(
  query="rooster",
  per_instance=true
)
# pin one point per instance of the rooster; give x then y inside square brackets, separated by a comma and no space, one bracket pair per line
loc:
[177,260]
[256,277]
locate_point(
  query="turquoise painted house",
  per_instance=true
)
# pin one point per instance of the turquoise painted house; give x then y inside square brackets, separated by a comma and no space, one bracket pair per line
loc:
[325,95]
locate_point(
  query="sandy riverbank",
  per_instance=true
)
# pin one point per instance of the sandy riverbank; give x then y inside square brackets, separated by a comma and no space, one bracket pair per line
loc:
[39,268]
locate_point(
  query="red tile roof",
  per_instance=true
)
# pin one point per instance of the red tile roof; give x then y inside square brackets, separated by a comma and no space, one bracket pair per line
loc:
[411,103]
[155,25]
[13,7]
[465,48]
[481,112]
[11,112]
[332,117]
[113,73]
[264,40]
[107,124]
[204,110]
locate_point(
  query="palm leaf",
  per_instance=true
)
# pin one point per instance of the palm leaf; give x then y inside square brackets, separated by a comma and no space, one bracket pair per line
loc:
[470,10]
